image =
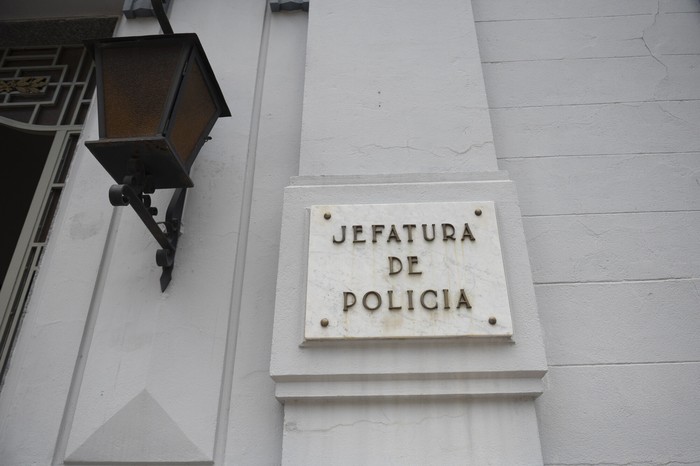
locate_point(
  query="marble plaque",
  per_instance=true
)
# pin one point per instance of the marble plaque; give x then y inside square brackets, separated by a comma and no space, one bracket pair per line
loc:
[427,270]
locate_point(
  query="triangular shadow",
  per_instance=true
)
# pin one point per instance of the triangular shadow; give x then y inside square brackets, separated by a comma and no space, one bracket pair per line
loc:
[139,432]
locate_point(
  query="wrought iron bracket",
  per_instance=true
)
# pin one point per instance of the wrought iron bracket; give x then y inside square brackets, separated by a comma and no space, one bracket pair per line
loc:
[140,8]
[135,192]
[162,17]
[289,5]
[149,8]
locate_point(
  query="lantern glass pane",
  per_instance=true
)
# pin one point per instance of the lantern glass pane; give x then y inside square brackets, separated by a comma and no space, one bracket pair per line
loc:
[136,84]
[196,111]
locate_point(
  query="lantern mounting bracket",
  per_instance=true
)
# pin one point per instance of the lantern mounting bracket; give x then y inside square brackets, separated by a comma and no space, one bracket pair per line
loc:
[151,134]
[135,191]
[161,16]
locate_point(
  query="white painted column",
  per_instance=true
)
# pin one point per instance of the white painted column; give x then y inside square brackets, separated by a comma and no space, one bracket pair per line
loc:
[150,385]
[394,87]
[395,113]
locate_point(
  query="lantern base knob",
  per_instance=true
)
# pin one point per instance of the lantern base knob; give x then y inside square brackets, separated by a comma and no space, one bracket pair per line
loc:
[133,194]
[156,154]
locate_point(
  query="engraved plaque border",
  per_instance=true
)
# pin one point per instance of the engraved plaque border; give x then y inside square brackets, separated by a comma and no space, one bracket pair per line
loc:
[359,265]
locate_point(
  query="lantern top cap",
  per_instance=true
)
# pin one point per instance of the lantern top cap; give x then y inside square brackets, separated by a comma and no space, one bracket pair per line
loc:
[184,38]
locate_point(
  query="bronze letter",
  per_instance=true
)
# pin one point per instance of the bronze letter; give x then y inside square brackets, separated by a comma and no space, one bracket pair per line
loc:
[467,233]
[342,230]
[391,301]
[364,300]
[463,300]
[413,260]
[409,228]
[425,232]
[356,232]
[376,230]
[422,300]
[445,235]
[409,293]
[392,261]
[346,303]
[393,234]
[446,299]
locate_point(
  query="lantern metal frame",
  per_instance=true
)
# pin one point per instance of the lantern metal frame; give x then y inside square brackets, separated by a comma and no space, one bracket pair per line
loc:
[142,164]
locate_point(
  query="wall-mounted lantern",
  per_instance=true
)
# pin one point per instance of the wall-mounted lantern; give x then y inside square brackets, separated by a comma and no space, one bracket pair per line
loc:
[158,100]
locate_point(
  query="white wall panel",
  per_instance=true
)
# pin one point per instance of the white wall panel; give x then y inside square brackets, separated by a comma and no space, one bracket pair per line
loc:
[504,10]
[592,81]
[679,6]
[636,414]
[611,36]
[643,246]
[500,10]
[606,183]
[556,39]
[631,128]
[635,322]
[674,33]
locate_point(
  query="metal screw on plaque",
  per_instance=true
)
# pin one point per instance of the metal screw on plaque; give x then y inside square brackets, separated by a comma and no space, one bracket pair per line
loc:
[324,322]
[327,215]
[492,320]
[477,212]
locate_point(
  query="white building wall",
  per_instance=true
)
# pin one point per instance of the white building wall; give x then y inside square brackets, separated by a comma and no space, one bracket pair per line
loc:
[596,117]
[594,110]
[107,368]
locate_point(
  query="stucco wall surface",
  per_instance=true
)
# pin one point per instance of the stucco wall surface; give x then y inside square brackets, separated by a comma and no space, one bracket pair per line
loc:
[107,369]
[596,117]
[595,112]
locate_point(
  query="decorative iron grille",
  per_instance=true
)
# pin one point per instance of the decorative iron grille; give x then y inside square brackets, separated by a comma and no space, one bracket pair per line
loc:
[47,88]
[46,85]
